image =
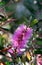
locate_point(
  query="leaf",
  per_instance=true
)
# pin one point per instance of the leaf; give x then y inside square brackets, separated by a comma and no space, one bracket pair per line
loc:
[1,42]
[39,41]
[2,18]
[33,22]
[38,51]
[28,56]
[7,63]
[2,3]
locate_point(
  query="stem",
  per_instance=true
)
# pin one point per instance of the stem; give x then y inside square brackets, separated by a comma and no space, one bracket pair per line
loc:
[8,21]
[3,30]
[5,49]
[24,63]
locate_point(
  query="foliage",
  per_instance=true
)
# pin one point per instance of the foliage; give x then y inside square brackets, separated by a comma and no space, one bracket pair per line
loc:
[14,13]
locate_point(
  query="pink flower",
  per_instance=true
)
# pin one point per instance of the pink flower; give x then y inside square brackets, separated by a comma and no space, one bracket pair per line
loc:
[39,59]
[21,36]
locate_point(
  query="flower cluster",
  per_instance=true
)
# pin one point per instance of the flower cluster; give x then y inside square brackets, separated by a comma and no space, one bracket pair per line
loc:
[20,37]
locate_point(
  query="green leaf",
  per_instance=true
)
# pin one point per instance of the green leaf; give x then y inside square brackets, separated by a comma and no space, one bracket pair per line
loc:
[2,3]
[38,51]
[2,19]
[1,43]
[39,41]
[7,63]
[33,22]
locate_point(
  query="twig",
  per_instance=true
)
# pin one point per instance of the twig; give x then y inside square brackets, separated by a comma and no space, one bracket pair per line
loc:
[6,49]
[8,21]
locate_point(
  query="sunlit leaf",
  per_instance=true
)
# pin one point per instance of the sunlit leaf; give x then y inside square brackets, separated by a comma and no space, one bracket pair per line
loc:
[28,56]
[33,22]
[7,63]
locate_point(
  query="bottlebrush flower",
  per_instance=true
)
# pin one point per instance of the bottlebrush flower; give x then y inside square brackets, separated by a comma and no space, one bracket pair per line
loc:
[20,37]
[39,59]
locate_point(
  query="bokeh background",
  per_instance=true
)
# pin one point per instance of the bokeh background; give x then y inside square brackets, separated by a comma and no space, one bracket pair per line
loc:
[12,14]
